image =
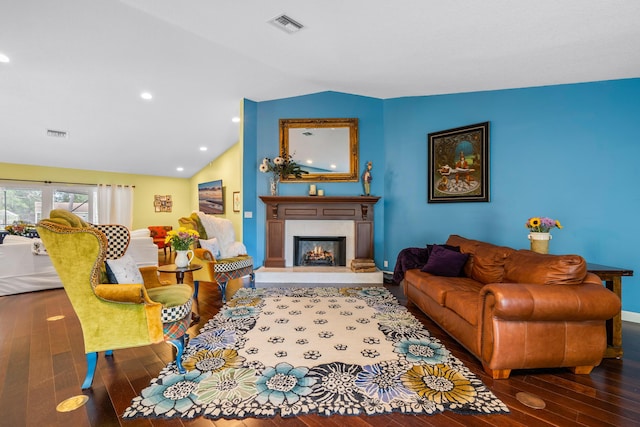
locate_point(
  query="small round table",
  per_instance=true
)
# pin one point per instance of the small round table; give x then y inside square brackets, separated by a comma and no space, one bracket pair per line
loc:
[179,271]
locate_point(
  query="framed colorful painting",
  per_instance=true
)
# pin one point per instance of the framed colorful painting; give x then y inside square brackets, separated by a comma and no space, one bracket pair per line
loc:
[458,164]
[211,197]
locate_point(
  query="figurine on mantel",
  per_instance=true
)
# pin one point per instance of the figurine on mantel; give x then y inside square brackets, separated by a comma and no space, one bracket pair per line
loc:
[366,179]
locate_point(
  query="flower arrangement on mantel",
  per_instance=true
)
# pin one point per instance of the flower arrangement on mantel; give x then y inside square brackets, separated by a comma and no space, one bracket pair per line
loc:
[20,228]
[538,224]
[281,166]
[181,239]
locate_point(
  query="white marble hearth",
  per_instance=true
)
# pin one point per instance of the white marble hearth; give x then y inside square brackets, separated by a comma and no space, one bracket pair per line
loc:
[315,275]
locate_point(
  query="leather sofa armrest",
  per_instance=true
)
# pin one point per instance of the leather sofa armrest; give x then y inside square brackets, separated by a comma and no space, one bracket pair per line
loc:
[524,302]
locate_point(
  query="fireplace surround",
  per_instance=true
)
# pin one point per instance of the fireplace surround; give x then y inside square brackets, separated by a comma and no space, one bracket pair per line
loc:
[280,209]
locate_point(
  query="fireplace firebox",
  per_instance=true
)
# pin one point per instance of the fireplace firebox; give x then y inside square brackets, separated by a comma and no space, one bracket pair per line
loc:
[319,251]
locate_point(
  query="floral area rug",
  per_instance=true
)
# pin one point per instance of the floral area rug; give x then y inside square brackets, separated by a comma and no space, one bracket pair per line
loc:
[297,351]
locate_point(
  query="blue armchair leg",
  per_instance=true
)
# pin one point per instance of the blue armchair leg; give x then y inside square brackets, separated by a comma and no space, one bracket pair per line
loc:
[223,290]
[92,361]
[252,282]
[178,343]
[108,353]
[196,287]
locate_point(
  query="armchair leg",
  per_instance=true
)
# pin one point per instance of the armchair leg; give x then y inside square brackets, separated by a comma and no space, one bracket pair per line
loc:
[178,343]
[222,284]
[92,361]
[108,353]
[252,281]
[196,287]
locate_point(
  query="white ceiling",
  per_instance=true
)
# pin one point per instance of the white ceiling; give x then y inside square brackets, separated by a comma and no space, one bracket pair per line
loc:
[80,65]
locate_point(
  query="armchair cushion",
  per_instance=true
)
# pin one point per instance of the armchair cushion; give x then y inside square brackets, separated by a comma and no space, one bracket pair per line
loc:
[123,270]
[211,245]
[175,299]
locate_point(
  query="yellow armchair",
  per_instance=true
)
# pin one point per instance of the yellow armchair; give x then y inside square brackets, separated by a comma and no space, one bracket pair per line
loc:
[112,316]
[216,270]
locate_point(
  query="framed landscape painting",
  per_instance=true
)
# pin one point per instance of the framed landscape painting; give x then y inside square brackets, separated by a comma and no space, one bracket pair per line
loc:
[458,164]
[211,197]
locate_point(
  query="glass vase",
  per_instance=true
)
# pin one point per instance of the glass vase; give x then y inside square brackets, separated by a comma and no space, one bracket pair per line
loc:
[274,182]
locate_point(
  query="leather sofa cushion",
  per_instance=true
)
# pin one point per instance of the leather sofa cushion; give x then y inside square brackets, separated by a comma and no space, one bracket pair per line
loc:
[437,287]
[465,303]
[525,266]
[488,261]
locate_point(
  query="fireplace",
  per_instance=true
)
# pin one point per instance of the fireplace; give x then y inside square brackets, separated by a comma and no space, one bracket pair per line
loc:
[329,212]
[319,251]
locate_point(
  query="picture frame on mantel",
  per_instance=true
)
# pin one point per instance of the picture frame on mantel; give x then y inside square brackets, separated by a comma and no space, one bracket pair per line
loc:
[458,164]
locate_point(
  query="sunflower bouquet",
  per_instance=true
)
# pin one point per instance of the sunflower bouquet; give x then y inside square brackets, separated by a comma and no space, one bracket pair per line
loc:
[538,224]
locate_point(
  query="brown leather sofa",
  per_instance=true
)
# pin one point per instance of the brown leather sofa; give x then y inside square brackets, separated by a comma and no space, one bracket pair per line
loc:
[517,309]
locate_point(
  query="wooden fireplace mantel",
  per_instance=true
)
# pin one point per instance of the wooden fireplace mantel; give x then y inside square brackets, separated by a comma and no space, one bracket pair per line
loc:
[279,209]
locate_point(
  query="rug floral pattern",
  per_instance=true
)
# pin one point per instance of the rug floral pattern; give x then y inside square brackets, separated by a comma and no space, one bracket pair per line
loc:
[296,351]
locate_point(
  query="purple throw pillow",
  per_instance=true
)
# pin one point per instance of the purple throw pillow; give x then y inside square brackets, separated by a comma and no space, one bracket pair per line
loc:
[445,262]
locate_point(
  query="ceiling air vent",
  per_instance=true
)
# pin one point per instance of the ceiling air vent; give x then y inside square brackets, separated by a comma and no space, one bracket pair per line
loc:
[57,133]
[286,24]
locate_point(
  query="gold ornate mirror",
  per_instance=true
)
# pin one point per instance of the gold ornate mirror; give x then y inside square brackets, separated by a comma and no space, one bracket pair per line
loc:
[326,148]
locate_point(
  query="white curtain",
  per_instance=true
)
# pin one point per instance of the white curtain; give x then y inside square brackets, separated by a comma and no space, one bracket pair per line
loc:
[115,204]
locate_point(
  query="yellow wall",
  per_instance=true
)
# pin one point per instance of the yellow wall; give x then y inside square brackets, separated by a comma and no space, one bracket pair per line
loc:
[183,191]
[228,168]
[146,187]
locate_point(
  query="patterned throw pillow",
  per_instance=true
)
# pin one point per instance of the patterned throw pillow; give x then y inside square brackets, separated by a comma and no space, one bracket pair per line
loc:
[123,270]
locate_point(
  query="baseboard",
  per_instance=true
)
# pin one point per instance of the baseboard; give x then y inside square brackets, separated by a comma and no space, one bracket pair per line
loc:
[630,316]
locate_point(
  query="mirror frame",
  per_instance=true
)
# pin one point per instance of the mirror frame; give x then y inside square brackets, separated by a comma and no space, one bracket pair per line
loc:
[351,123]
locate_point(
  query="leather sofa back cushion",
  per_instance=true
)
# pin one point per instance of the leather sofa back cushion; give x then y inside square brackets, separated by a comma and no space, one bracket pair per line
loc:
[486,263]
[525,266]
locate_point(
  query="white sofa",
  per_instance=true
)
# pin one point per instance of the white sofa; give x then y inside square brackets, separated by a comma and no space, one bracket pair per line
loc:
[22,270]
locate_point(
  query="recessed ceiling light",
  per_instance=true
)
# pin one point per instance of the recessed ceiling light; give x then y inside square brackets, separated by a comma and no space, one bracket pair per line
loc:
[3,57]
[146,95]
[203,148]
[333,166]
[179,168]
[236,120]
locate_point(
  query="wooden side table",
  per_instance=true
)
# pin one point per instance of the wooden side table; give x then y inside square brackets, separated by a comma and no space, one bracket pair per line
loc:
[612,278]
[179,271]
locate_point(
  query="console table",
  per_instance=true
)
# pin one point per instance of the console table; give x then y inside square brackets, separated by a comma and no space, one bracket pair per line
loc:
[283,208]
[612,277]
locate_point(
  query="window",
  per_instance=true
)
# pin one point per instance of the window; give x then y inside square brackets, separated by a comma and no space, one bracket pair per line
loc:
[30,202]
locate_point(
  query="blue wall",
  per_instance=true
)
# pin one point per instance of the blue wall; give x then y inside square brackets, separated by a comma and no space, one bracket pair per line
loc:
[322,105]
[568,152]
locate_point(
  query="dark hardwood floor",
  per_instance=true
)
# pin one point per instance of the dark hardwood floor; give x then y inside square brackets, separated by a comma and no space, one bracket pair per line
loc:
[42,363]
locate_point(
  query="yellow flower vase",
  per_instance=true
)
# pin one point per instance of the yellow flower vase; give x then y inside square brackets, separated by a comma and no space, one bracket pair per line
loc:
[540,242]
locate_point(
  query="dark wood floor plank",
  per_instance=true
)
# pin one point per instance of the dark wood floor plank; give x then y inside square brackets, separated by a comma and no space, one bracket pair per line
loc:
[42,363]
